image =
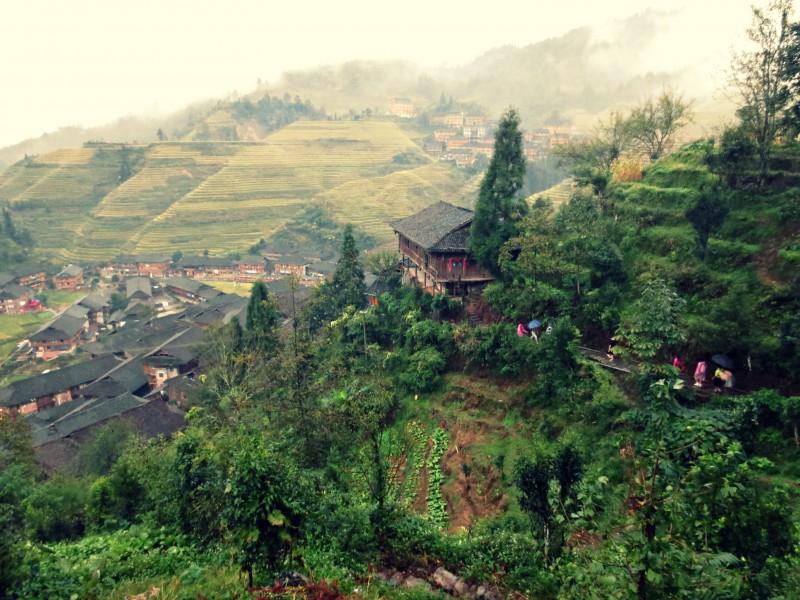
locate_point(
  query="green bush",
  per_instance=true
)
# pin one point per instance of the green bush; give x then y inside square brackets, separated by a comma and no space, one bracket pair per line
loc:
[730,254]
[503,549]
[95,565]
[422,370]
[499,348]
[55,510]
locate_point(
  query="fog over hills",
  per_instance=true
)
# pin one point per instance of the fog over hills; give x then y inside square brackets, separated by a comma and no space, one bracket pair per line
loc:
[573,76]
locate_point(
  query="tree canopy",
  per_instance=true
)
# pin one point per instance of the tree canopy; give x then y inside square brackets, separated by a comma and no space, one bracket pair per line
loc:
[499,206]
[759,78]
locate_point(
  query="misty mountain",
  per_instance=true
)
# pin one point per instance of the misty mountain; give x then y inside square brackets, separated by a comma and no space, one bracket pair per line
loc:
[583,72]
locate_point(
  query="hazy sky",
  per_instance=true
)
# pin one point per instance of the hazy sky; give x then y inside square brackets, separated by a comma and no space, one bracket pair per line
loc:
[89,62]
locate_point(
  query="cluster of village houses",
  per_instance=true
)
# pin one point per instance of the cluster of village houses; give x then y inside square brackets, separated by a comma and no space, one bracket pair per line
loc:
[463,137]
[151,283]
[143,368]
[141,371]
[19,287]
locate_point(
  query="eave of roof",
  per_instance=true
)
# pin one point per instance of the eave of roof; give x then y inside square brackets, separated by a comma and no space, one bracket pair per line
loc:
[433,224]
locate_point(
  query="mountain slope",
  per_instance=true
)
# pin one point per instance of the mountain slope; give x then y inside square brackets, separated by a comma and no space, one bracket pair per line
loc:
[220,196]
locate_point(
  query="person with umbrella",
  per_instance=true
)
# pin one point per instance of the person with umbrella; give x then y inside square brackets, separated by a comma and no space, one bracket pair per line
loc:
[723,374]
[534,325]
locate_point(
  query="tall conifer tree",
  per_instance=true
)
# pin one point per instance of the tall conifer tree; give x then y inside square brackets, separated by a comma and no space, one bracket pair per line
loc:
[262,319]
[499,205]
[348,279]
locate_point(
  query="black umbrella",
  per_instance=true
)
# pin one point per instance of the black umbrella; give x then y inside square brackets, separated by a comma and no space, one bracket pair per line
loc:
[723,361]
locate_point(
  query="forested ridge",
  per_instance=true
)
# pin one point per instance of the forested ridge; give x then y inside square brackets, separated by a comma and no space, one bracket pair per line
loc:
[415,449]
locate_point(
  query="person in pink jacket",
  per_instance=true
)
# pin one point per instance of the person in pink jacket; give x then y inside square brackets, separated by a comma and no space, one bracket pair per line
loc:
[700,373]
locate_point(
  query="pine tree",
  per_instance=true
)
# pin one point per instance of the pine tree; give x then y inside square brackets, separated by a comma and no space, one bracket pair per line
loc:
[8,225]
[262,319]
[348,279]
[499,205]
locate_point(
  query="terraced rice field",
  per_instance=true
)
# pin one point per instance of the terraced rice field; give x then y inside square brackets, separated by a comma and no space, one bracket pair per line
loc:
[68,156]
[224,196]
[52,195]
[263,186]
[391,197]
[558,194]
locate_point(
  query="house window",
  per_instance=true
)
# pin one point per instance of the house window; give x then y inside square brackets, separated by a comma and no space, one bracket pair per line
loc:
[455,264]
[161,374]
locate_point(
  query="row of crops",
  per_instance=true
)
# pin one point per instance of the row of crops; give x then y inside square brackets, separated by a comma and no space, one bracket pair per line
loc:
[425,451]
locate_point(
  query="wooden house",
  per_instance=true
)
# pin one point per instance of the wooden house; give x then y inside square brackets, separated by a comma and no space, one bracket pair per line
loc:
[138,288]
[60,336]
[211,267]
[177,357]
[474,120]
[153,265]
[54,388]
[32,277]
[250,268]
[323,269]
[291,265]
[69,278]
[402,107]
[454,121]
[434,244]
[98,307]
[14,299]
[125,266]
[145,265]
[189,290]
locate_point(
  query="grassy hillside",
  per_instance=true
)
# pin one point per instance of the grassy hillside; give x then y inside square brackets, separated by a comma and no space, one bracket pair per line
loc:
[221,196]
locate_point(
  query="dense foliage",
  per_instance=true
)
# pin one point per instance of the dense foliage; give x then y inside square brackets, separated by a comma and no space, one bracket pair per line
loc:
[365,443]
[499,205]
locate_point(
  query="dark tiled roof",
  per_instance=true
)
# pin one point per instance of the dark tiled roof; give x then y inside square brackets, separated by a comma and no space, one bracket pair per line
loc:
[104,388]
[208,292]
[77,311]
[137,337]
[376,284]
[28,271]
[180,351]
[325,267]
[205,262]
[63,327]
[219,309]
[186,284]
[251,260]
[85,415]
[94,302]
[12,291]
[138,284]
[430,226]
[70,271]
[130,376]
[6,277]
[143,258]
[20,392]
[455,241]
[292,259]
